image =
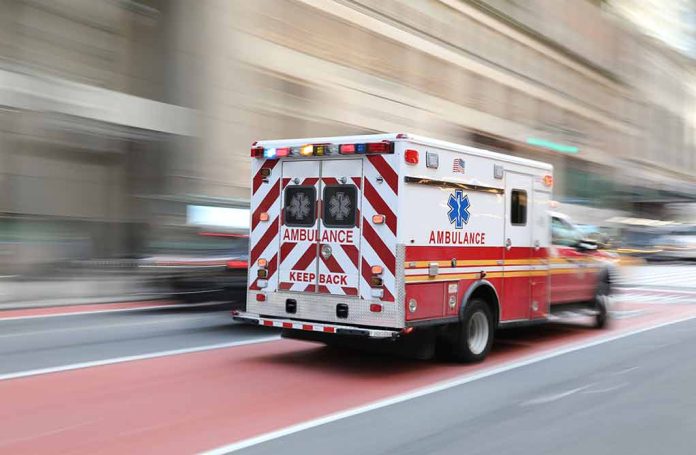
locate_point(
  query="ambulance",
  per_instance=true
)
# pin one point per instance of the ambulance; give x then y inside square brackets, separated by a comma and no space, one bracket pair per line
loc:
[398,237]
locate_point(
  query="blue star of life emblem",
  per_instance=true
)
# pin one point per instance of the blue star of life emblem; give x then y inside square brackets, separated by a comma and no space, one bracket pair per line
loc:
[459,209]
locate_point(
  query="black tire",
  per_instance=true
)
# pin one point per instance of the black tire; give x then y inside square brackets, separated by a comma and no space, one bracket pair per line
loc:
[467,345]
[600,304]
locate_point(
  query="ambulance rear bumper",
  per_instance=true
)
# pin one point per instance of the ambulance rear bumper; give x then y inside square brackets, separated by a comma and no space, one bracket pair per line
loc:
[337,329]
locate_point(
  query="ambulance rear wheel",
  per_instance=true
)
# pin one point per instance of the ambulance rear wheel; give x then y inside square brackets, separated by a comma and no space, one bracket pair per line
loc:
[474,335]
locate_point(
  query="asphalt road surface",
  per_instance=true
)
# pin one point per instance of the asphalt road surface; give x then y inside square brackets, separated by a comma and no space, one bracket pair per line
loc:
[630,396]
[36,342]
[188,379]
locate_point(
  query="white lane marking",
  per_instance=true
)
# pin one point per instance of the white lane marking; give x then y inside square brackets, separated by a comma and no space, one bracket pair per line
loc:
[116,310]
[608,389]
[171,319]
[624,371]
[132,358]
[555,396]
[438,387]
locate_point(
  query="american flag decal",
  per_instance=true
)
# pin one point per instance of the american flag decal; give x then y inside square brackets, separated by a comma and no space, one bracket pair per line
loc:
[458,165]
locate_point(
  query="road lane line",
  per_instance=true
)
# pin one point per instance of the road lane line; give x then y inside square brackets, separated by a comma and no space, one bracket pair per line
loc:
[171,319]
[116,310]
[438,387]
[556,396]
[132,358]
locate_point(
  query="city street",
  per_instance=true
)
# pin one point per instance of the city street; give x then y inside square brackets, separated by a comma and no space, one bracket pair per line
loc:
[176,379]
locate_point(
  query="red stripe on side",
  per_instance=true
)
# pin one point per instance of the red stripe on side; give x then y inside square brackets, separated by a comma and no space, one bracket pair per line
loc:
[268,323]
[264,241]
[381,207]
[330,180]
[270,199]
[287,325]
[386,171]
[323,289]
[310,288]
[378,245]
[258,179]
[329,330]
[442,253]
[307,327]
[284,286]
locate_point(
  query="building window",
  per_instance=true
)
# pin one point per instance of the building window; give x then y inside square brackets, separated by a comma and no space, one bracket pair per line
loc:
[518,207]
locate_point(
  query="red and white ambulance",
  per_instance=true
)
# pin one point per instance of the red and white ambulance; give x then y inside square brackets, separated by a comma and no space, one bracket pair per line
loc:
[395,235]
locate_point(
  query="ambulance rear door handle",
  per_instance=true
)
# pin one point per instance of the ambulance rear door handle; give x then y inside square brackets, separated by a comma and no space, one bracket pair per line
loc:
[508,244]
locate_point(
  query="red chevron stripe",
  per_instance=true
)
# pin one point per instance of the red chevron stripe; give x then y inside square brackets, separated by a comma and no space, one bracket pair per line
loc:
[378,245]
[332,264]
[377,203]
[264,241]
[350,291]
[386,171]
[270,199]
[306,258]
[352,252]
[324,290]
[258,179]
[330,180]
[286,249]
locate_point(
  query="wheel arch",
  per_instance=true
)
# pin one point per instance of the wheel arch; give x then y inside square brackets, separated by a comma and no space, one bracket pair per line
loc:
[484,290]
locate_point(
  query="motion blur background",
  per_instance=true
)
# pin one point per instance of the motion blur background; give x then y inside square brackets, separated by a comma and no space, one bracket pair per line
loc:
[125,125]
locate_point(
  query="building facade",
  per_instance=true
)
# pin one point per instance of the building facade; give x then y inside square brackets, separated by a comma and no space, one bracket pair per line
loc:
[116,115]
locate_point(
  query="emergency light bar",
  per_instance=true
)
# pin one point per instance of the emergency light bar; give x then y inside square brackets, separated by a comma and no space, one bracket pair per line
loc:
[322,150]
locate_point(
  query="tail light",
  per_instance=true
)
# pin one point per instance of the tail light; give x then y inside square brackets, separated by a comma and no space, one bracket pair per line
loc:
[346,149]
[262,262]
[376,308]
[260,297]
[378,219]
[263,216]
[380,147]
[377,269]
[411,156]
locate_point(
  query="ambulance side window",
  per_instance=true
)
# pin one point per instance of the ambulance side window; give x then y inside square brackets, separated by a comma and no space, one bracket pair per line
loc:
[339,206]
[300,206]
[518,207]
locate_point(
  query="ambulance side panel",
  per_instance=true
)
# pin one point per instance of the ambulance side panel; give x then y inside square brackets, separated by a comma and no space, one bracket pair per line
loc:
[450,233]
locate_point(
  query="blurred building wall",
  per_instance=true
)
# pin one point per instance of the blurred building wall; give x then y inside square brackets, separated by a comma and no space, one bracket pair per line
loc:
[116,114]
[494,73]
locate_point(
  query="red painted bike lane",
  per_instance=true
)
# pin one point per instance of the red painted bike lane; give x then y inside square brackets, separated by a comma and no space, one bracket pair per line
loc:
[193,402]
